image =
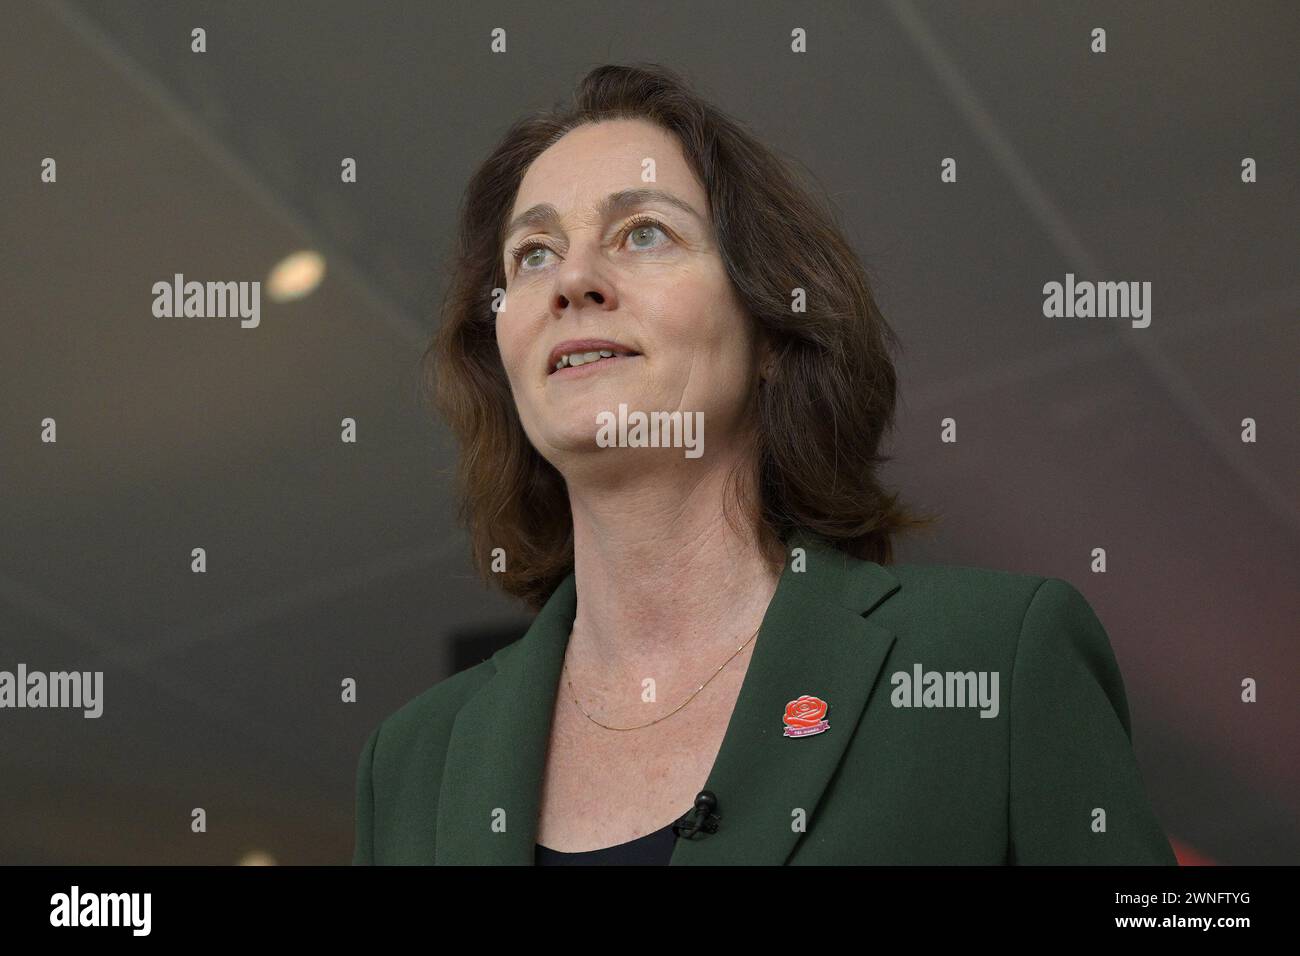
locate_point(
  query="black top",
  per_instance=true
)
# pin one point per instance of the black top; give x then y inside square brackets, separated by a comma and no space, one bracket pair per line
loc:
[653,849]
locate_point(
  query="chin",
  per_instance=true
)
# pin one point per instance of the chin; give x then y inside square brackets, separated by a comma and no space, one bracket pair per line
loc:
[579,434]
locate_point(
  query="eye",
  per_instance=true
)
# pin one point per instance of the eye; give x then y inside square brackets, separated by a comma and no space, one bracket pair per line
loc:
[641,227]
[640,230]
[525,251]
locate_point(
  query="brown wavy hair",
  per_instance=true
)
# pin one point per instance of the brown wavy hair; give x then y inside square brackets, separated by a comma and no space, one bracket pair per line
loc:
[819,418]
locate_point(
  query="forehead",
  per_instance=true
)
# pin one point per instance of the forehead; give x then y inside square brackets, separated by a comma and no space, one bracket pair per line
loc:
[595,159]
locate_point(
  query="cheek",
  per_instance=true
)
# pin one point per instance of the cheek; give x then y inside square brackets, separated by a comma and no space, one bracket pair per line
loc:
[720,336]
[692,310]
[702,338]
[512,343]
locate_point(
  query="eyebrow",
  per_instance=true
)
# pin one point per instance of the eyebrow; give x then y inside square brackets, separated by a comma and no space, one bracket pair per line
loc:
[545,214]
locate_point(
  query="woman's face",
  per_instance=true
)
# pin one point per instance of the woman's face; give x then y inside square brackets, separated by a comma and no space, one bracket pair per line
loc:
[643,273]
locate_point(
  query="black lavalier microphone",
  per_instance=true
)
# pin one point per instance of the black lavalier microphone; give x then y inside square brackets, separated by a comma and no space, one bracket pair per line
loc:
[700,821]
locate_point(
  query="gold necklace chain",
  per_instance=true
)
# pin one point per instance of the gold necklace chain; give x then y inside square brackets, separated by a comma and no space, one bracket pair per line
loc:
[569,681]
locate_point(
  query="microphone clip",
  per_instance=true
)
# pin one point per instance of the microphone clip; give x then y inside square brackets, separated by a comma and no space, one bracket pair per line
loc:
[701,820]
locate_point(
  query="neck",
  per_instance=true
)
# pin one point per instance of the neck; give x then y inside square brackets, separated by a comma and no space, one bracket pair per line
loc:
[665,584]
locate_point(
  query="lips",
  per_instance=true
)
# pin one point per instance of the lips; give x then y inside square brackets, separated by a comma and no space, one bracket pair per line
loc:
[571,346]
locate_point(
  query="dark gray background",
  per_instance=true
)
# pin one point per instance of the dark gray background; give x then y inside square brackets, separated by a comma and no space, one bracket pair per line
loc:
[328,561]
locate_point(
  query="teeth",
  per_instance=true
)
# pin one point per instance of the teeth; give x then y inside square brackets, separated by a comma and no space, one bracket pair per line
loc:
[574,359]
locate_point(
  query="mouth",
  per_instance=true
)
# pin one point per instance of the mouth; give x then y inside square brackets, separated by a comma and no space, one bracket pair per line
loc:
[569,358]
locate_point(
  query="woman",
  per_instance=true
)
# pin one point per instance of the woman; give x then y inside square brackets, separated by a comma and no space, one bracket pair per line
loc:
[724,669]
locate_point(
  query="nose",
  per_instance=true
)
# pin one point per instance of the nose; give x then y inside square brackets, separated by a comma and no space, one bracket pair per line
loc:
[581,283]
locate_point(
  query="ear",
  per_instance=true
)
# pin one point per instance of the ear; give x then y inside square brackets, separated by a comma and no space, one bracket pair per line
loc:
[766,357]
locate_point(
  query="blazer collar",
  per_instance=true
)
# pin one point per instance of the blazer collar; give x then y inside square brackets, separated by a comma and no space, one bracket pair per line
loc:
[815,639]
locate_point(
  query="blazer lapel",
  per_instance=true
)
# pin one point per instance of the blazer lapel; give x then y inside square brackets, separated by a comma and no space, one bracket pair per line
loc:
[815,639]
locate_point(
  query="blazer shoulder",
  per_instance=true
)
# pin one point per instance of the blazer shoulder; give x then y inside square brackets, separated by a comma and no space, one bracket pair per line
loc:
[1076,793]
[1003,613]
[959,574]
[439,704]
[951,585]
[403,752]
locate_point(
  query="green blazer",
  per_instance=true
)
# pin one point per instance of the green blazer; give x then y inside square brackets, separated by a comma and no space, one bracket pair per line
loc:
[1047,777]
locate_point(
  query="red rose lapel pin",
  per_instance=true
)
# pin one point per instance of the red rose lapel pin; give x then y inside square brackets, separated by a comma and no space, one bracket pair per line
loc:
[804,716]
